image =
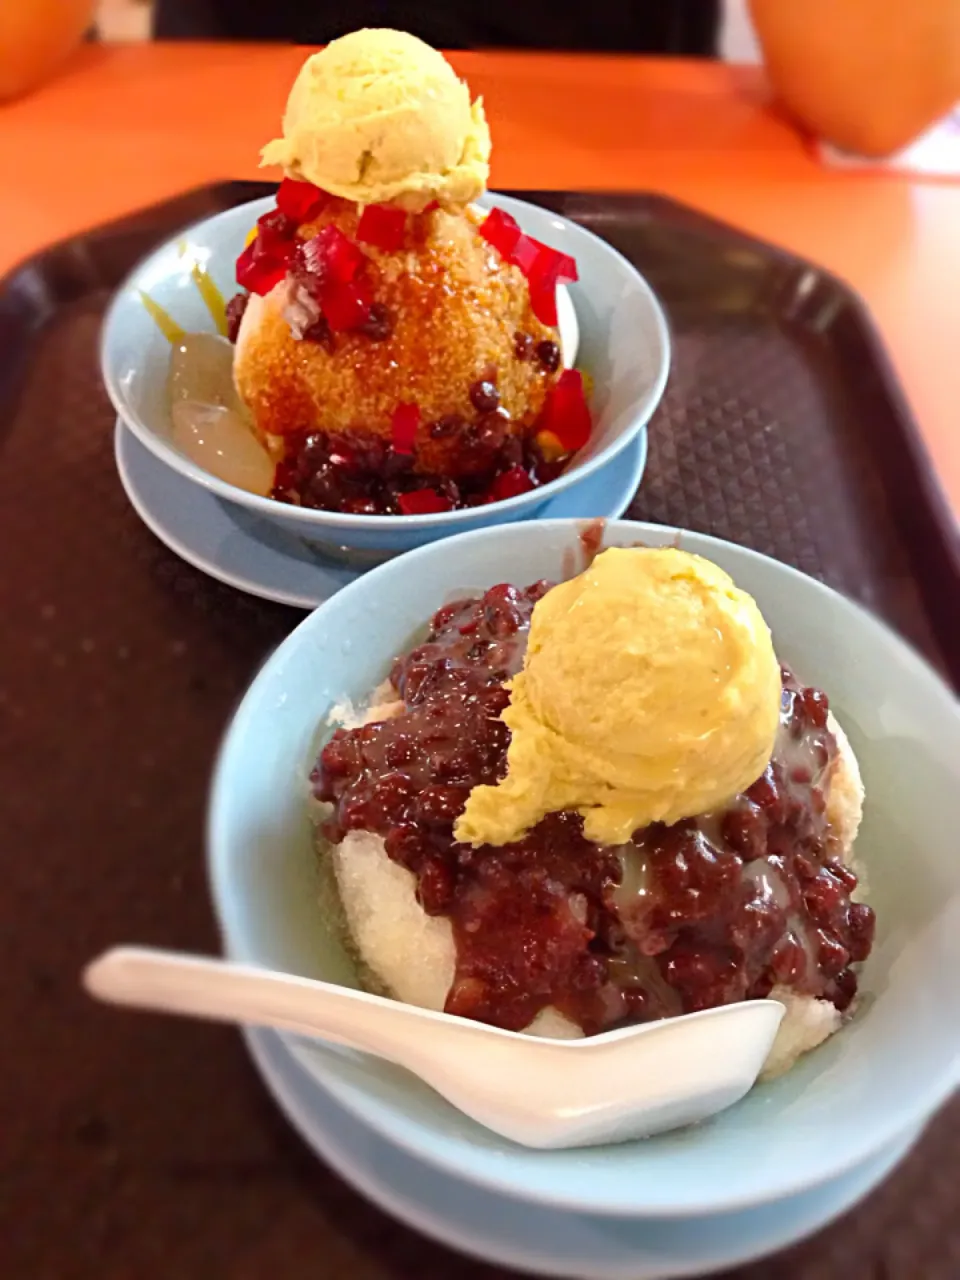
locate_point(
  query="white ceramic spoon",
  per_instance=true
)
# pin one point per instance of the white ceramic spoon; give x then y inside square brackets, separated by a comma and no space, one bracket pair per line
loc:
[542,1093]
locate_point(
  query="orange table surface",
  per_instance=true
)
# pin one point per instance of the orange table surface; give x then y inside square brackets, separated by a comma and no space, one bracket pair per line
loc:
[122,127]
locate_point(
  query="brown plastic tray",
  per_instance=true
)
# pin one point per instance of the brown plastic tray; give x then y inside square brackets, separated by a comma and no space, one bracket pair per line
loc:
[140,1147]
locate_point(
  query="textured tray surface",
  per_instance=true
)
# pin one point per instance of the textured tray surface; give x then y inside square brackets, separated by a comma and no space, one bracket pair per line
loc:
[142,1147]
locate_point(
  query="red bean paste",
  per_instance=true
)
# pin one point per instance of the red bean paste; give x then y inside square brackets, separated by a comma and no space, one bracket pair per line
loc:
[707,911]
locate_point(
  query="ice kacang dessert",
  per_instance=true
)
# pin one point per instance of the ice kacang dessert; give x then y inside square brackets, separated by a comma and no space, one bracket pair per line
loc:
[397,350]
[576,807]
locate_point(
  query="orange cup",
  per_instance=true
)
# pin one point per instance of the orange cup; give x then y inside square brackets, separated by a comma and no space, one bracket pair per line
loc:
[867,75]
[36,36]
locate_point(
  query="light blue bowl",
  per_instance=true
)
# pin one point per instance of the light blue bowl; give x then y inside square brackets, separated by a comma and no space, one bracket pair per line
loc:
[883,1074]
[624,344]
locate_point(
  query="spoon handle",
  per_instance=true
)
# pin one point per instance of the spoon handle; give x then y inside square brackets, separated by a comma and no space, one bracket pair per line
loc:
[219,990]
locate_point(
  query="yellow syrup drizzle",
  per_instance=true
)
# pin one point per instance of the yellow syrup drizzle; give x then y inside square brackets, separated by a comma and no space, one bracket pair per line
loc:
[165,322]
[213,299]
[211,296]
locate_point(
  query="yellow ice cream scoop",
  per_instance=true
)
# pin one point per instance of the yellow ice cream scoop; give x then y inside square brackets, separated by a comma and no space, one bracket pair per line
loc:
[378,116]
[650,692]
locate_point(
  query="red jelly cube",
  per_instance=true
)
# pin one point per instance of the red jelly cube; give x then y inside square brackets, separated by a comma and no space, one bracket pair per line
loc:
[257,271]
[340,257]
[345,305]
[510,483]
[561,265]
[300,201]
[565,412]
[383,227]
[543,300]
[568,273]
[550,269]
[403,430]
[422,502]
[544,267]
[275,230]
[501,230]
[525,254]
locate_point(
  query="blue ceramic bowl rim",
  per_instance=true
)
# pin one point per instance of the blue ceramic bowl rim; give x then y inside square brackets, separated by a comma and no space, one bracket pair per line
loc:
[337,520]
[414,1137]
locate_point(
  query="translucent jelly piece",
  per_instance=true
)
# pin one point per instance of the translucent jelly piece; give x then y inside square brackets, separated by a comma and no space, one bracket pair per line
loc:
[221,442]
[201,370]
